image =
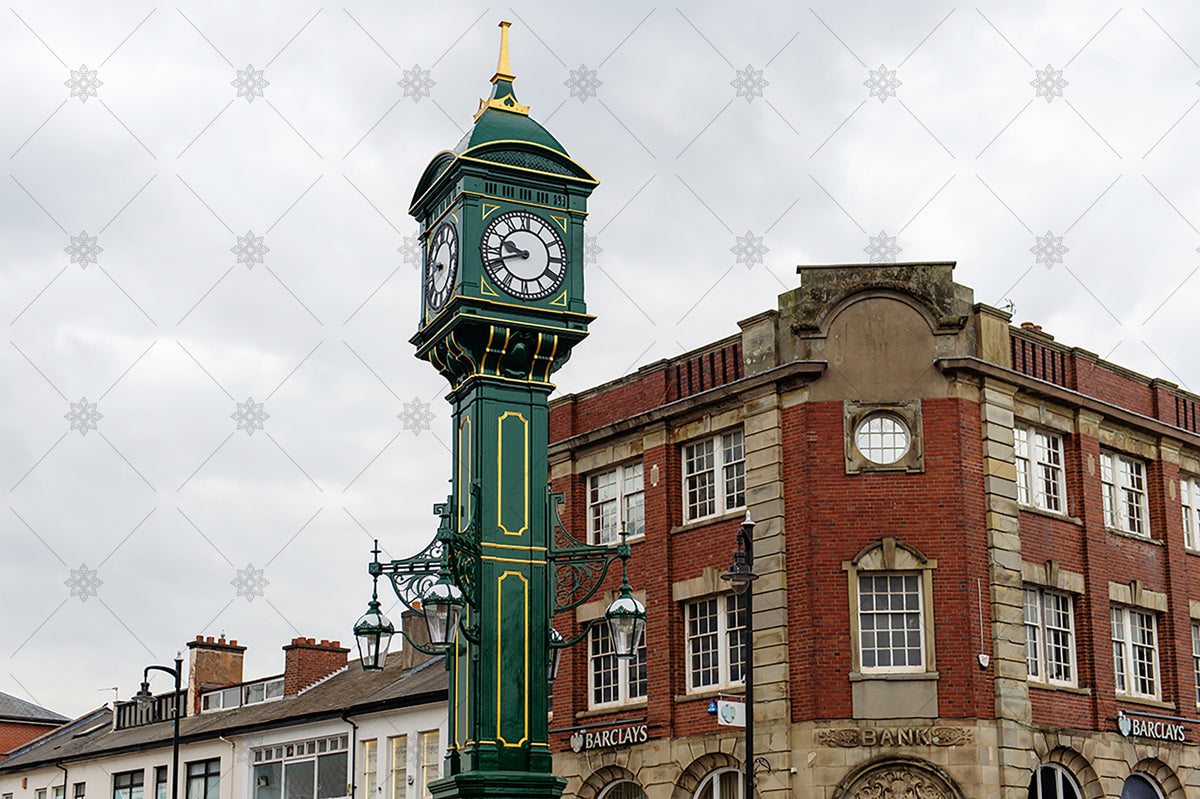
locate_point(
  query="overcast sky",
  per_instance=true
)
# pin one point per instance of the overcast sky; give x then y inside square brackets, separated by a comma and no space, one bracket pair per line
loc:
[206,213]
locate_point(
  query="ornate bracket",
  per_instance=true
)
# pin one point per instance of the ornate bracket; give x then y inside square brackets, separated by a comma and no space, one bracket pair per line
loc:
[576,569]
[412,577]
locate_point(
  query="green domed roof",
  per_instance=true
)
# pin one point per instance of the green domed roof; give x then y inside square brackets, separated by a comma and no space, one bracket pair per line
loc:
[503,133]
[496,122]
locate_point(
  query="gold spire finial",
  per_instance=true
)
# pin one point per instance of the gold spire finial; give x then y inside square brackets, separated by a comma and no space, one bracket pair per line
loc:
[503,70]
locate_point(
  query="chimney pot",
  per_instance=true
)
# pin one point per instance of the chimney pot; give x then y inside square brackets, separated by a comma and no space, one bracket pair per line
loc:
[209,639]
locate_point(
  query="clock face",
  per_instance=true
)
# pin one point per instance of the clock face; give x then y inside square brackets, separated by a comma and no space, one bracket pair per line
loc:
[441,265]
[524,254]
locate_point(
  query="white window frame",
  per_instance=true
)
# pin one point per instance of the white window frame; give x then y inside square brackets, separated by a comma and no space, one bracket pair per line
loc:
[1196,657]
[1039,461]
[601,656]
[729,491]
[882,438]
[1125,622]
[730,674]
[1039,624]
[1123,485]
[398,774]
[1061,777]
[616,500]
[710,786]
[873,612]
[1189,501]
[430,767]
[371,766]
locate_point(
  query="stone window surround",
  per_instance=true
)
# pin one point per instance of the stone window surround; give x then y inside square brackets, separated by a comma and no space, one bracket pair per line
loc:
[1135,595]
[908,412]
[888,554]
[1051,575]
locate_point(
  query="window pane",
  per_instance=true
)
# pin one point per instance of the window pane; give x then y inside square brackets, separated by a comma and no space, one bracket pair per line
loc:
[735,632]
[890,631]
[702,643]
[331,775]
[298,779]
[267,780]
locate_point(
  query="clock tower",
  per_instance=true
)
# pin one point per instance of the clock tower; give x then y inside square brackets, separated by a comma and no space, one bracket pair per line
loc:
[501,218]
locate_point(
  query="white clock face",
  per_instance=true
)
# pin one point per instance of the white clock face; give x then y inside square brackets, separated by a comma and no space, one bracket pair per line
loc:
[524,254]
[441,265]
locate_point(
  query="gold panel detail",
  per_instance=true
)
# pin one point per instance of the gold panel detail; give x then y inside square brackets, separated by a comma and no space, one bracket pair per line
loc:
[488,208]
[524,690]
[524,473]
[484,288]
[561,220]
[561,300]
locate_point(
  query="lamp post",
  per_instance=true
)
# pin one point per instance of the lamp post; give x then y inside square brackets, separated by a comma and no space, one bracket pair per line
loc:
[741,579]
[442,584]
[145,697]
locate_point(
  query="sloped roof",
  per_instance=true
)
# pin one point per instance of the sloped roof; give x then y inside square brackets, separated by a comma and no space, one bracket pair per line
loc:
[351,691]
[13,709]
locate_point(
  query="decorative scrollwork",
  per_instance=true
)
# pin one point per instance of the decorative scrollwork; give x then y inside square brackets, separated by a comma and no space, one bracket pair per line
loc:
[575,580]
[578,568]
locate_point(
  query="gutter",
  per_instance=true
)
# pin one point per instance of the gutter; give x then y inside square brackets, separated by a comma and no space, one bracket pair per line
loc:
[59,764]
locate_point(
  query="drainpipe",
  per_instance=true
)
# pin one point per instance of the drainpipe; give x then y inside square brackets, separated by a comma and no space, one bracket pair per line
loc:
[232,763]
[59,764]
[353,754]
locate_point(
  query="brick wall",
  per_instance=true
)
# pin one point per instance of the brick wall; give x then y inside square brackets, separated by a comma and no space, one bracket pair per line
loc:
[13,734]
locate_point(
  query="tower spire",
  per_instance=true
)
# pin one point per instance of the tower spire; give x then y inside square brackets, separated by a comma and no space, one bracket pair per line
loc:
[503,97]
[503,70]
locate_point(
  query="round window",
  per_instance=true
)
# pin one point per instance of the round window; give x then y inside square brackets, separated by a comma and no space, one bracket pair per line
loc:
[882,439]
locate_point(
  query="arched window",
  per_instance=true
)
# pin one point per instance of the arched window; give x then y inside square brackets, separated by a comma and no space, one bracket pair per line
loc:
[1052,781]
[622,789]
[1139,786]
[724,783]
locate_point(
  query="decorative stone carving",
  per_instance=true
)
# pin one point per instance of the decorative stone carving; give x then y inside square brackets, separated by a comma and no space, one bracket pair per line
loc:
[898,782]
[850,737]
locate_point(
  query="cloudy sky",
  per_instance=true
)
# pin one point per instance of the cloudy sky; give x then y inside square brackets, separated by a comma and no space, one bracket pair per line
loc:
[209,406]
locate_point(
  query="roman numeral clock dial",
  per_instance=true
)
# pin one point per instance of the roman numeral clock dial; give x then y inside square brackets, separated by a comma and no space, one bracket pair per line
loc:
[441,266]
[524,255]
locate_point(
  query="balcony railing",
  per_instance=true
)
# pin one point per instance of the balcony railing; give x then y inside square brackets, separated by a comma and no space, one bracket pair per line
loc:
[136,714]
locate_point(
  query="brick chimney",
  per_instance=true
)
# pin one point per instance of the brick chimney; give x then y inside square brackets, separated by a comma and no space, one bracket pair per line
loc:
[413,624]
[211,664]
[306,662]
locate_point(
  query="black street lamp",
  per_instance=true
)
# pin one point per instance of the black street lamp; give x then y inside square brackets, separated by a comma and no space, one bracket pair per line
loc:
[145,697]
[741,578]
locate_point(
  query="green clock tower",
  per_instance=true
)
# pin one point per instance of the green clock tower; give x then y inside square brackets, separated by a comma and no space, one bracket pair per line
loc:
[501,218]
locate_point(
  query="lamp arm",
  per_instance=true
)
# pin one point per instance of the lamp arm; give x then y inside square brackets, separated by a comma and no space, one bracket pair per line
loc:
[164,669]
[417,646]
[586,629]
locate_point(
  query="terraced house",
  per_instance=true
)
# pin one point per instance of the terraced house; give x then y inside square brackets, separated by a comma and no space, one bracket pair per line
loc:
[978,558]
[323,728]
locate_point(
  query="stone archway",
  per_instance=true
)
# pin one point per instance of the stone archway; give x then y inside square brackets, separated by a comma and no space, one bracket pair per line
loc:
[1162,774]
[690,779]
[897,778]
[601,777]
[1080,768]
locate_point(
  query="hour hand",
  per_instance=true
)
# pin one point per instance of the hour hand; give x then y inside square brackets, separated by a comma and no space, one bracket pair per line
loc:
[513,249]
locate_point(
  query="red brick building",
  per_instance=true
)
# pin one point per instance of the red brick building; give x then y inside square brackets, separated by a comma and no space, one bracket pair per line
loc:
[21,722]
[978,554]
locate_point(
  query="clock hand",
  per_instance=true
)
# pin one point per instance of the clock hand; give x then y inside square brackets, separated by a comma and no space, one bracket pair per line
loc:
[514,250]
